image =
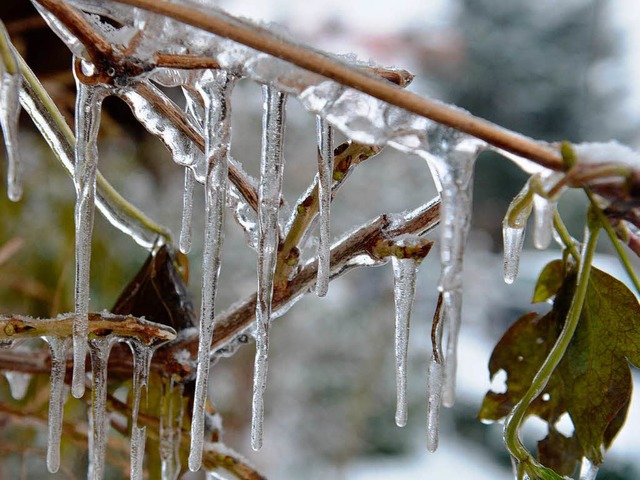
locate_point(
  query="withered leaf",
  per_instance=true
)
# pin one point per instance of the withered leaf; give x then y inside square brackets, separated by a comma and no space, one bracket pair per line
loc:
[592,383]
[159,292]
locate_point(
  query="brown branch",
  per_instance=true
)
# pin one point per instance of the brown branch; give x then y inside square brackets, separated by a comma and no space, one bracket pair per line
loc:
[14,327]
[97,47]
[267,42]
[364,240]
[186,62]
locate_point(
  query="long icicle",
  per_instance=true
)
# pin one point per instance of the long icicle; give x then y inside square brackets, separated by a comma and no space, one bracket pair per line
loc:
[142,354]
[513,230]
[271,169]
[59,347]
[187,211]
[87,115]
[216,90]
[452,157]
[10,81]
[404,289]
[171,412]
[99,349]
[325,174]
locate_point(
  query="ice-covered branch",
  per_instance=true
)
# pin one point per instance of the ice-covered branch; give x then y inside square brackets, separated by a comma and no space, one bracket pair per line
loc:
[357,248]
[265,41]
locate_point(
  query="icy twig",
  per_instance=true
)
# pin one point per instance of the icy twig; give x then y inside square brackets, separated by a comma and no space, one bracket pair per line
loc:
[364,240]
[123,326]
[53,127]
[268,42]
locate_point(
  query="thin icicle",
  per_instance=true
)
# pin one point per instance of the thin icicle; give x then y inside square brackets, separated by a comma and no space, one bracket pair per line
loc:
[87,115]
[325,176]
[404,276]
[215,89]
[171,412]
[99,349]
[141,364]
[543,221]
[513,230]
[187,210]
[588,471]
[18,384]
[58,347]
[543,209]
[271,169]
[434,400]
[10,82]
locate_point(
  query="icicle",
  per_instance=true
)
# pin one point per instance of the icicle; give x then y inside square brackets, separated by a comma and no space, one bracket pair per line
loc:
[99,349]
[434,400]
[171,412]
[325,176]
[59,347]
[187,210]
[451,157]
[404,274]
[141,364]
[513,229]
[543,209]
[588,471]
[18,384]
[88,103]
[543,221]
[215,88]
[10,113]
[271,169]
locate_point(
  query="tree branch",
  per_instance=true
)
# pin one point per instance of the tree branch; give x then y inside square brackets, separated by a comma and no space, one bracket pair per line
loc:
[262,40]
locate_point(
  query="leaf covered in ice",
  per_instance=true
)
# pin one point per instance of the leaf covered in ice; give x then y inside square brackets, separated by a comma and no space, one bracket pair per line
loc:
[592,383]
[159,291]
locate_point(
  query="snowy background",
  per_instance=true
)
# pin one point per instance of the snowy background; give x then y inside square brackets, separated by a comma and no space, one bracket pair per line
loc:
[568,71]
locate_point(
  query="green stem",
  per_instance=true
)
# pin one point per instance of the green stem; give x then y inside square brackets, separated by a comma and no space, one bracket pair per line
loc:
[122,214]
[517,415]
[565,236]
[8,56]
[622,255]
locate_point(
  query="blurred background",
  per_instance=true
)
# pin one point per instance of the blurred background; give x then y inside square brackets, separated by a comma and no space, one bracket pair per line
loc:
[548,70]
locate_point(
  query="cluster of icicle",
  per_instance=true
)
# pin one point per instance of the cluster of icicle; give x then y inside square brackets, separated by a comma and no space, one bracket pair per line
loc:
[449,154]
[99,349]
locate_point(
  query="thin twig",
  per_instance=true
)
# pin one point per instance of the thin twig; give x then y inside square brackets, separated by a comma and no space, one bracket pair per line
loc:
[265,41]
[362,241]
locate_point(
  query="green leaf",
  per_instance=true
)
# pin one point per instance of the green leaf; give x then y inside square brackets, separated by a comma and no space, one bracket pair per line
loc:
[592,383]
[549,281]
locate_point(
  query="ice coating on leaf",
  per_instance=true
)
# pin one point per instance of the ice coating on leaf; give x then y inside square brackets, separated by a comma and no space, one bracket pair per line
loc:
[513,230]
[18,384]
[187,211]
[404,288]
[325,177]
[10,82]
[59,29]
[513,240]
[434,400]
[271,170]
[87,115]
[99,348]
[58,347]
[588,471]
[141,364]
[215,88]
[171,412]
